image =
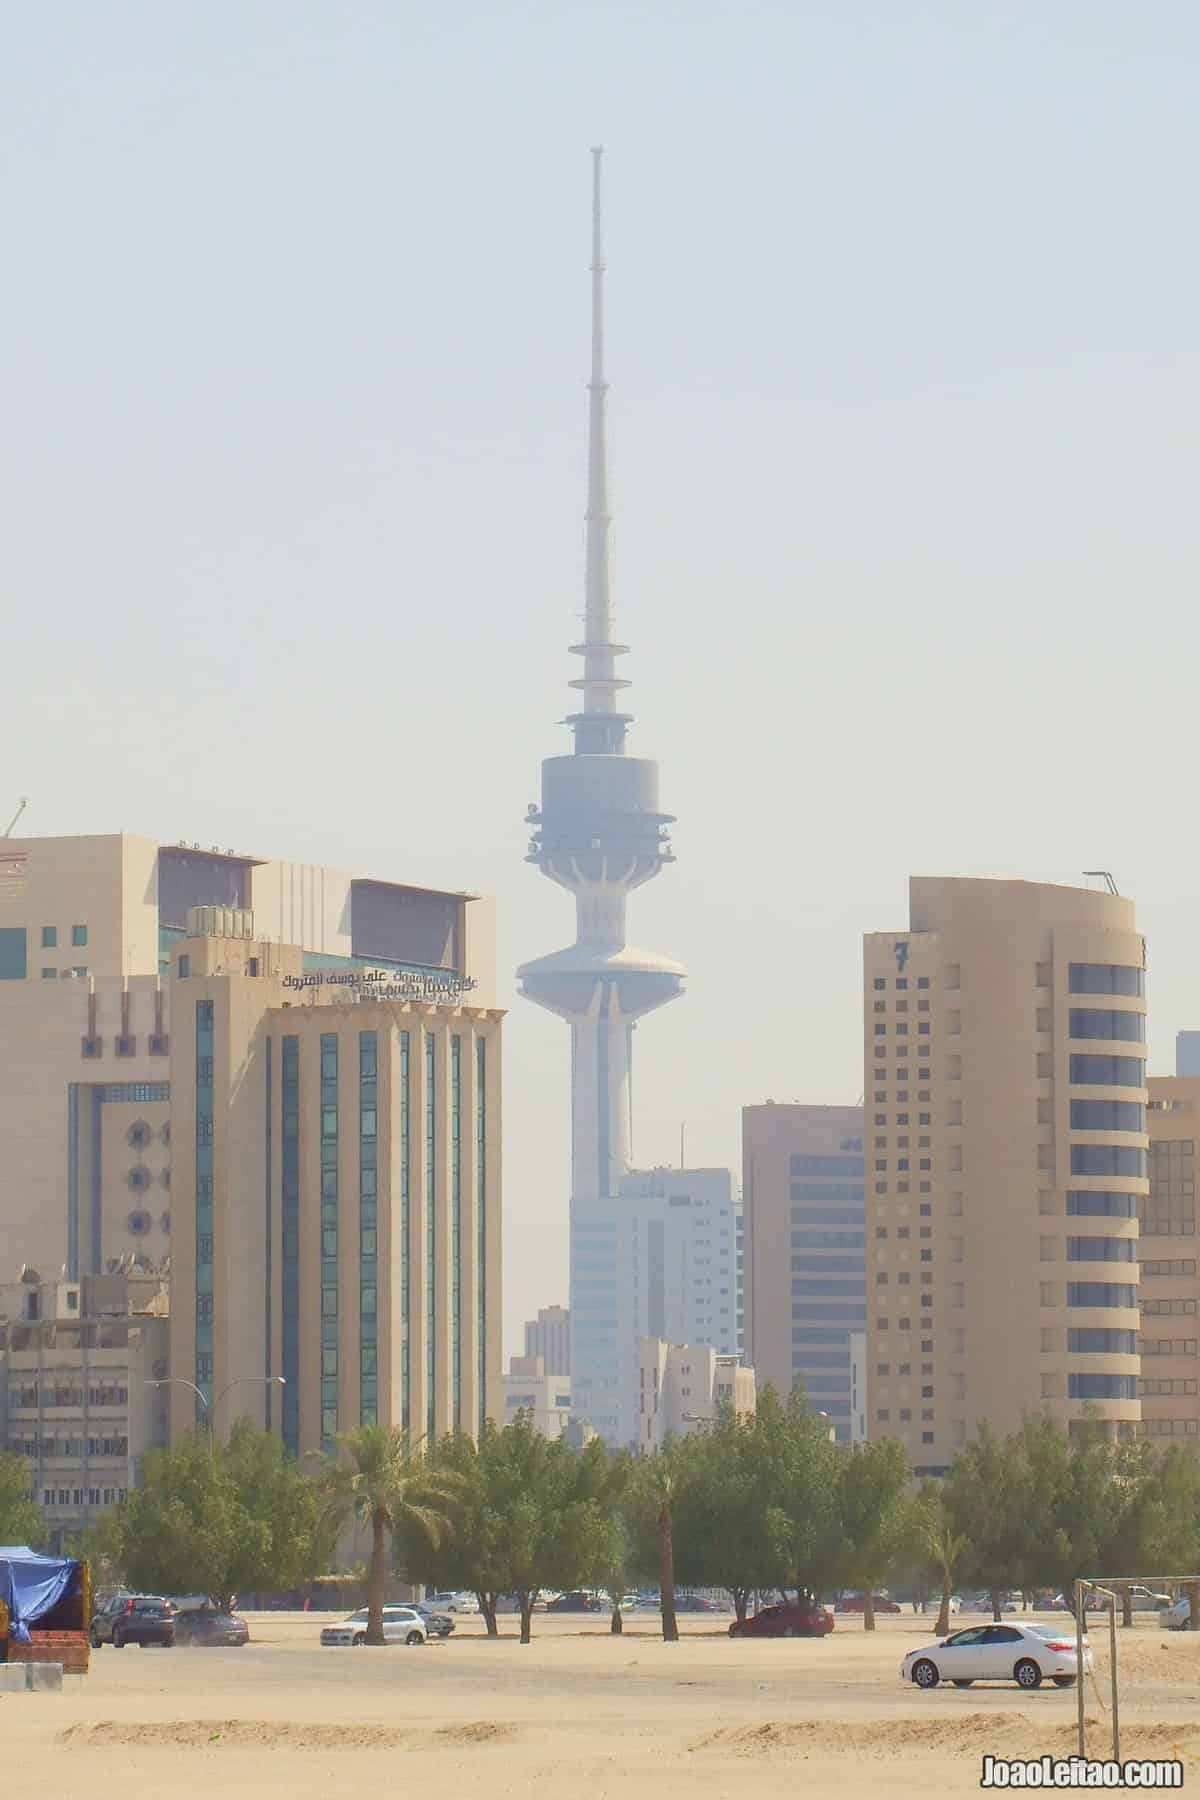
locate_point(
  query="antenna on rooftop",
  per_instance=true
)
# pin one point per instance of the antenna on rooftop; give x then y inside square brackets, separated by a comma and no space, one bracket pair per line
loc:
[1104,875]
[21,805]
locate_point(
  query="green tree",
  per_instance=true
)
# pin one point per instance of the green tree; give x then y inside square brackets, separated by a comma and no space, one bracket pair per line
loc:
[219,1518]
[871,1515]
[987,1497]
[388,1485]
[21,1520]
[466,1557]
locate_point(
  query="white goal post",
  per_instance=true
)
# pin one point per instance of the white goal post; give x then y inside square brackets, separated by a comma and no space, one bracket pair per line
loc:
[1110,1590]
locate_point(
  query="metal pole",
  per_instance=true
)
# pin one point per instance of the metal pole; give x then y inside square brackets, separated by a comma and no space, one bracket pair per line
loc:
[1079,1604]
[1112,1643]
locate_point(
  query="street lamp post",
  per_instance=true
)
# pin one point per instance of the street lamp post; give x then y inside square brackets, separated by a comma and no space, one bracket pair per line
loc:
[210,1407]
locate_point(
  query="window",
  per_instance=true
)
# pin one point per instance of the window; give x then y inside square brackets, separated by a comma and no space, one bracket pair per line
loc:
[1175,1265]
[1101,1249]
[13,965]
[1108,1071]
[927,1437]
[922,981]
[1127,1027]
[1083,1205]
[1102,1387]
[1108,1115]
[880,983]
[49,937]
[1101,1293]
[1106,978]
[185,967]
[1107,1159]
[1097,1341]
[1169,1308]
[49,974]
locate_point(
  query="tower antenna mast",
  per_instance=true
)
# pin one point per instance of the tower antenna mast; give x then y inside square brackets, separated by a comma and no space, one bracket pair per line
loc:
[21,805]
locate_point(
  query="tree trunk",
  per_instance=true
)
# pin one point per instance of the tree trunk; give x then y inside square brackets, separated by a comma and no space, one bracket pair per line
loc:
[868,1610]
[666,1576]
[1126,1605]
[994,1596]
[377,1576]
[740,1597]
[525,1601]
[1192,1590]
[943,1618]
[487,1606]
[617,1625]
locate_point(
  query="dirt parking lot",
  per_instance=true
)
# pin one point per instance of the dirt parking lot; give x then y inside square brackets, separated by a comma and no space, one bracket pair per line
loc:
[577,1712]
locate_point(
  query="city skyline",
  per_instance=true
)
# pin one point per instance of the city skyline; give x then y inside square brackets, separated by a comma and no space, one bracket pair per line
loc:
[899,435]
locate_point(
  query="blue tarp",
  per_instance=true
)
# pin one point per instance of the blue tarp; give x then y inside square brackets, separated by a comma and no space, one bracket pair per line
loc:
[31,1585]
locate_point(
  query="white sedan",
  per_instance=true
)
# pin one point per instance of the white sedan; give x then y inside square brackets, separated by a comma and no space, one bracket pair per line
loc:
[401,1625]
[1026,1654]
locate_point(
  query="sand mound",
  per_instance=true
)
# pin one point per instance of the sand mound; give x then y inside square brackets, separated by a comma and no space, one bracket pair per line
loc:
[972,1733]
[192,1734]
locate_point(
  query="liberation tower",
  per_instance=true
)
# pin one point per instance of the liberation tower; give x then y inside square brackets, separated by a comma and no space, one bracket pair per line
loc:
[600,833]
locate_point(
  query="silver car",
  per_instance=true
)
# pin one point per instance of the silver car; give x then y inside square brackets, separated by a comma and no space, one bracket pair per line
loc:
[401,1625]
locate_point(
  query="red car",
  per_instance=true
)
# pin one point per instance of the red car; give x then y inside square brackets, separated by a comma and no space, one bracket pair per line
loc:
[788,1621]
[854,1603]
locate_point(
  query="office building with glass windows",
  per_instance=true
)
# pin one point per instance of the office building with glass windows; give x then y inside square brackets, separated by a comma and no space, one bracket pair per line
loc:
[336,1182]
[805,1261]
[1168,1290]
[88,930]
[1006,1162]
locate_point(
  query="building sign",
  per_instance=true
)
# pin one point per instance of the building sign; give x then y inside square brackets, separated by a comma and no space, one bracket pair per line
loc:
[444,985]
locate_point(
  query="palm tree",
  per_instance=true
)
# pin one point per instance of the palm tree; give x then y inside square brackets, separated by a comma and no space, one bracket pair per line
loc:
[388,1484]
[663,1487]
[944,1549]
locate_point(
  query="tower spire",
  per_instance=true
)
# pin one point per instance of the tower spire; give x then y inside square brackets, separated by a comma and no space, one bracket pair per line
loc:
[599,727]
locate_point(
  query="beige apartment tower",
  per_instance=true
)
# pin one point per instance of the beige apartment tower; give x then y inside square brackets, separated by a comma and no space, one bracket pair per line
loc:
[336,1194]
[1169,1289]
[1006,1161]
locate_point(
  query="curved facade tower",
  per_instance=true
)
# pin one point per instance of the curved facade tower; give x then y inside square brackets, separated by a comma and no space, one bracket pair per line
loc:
[599,832]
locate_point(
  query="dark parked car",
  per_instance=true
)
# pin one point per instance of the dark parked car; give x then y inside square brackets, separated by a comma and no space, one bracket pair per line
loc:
[855,1603]
[204,1625]
[576,1602]
[134,1619]
[788,1621]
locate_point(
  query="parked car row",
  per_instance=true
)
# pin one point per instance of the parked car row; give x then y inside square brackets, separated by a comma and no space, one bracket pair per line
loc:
[152,1620]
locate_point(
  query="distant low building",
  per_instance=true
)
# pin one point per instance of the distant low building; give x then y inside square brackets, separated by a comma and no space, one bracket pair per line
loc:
[530,1389]
[683,1386]
[549,1336]
[76,1362]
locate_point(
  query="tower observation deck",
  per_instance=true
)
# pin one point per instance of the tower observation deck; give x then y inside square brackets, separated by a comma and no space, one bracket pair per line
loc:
[599,831]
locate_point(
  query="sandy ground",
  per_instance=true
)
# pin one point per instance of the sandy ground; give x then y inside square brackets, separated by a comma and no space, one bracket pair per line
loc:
[577,1712]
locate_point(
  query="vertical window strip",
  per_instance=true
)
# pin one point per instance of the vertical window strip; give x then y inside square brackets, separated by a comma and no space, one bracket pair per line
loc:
[268,1246]
[368,1266]
[329,1239]
[481,1216]
[205,1259]
[455,1226]
[405,1417]
[430,1233]
[290,1221]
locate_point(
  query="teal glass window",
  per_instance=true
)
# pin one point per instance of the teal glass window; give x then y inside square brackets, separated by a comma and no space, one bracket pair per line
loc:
[49,974]
[185,967]
[49,937]
[368,1266]
[290,1179]
[329,1224]
[13,954]
[79,934]
[404,1222]
[205,1262]
[430,1231]
[455,1227]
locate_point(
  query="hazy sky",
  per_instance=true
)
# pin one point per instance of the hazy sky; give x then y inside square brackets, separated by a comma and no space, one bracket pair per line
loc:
[903,342]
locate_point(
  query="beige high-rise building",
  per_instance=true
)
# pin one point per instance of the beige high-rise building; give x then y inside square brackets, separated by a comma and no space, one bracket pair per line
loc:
[336,1182]
[88,926]
[684,1386]
[1169,1290]
[1006,1156]
[804,1274]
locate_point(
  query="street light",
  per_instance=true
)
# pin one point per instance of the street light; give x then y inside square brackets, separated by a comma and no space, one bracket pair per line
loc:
[210,1407]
